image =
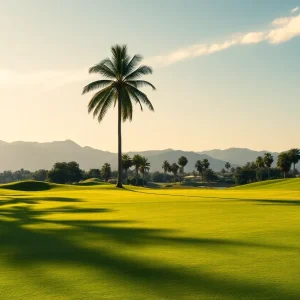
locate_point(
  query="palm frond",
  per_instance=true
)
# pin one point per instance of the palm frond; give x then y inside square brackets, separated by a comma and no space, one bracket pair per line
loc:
[140,71]
[120,59]
[106,104]
[135,98]
[136,59]
[100,104]
[142,97]
[103,69]
[96,99]
[126,106]
[140,83]
[96,85]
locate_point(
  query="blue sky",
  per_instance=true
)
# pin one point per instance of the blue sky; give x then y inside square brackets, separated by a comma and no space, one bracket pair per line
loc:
[226,72]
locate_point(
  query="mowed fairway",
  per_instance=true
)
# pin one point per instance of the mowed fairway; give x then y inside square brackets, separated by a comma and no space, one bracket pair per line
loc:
[97,242]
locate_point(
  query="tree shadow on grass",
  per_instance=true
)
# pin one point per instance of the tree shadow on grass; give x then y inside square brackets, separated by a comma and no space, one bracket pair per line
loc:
[35,200]
[25,247]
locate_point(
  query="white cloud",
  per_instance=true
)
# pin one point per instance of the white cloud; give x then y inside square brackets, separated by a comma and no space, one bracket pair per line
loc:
[286,29]
[252,38]
[295,9]
[282,30]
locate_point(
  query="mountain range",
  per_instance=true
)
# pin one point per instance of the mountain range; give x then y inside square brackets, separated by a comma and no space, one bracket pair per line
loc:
[33,156]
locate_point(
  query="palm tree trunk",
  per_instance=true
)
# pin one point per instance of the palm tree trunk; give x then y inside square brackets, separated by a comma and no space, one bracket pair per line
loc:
[136,176]
[294,172]
[119,184]
[144,179]
[269,173]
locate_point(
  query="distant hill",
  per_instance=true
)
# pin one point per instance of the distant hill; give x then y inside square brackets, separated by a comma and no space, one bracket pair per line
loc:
[239,156]
[33,156]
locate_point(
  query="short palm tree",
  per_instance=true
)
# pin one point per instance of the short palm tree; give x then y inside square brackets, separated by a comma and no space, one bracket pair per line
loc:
[205,163]
[144,167]
[182,162]
[199,167]
[174,169]
[227,166]
[166,166]
[106,171]
[137,162]
[284,162]
[260,165]
[126,164]
[295,158]
[121,87]
[268,160]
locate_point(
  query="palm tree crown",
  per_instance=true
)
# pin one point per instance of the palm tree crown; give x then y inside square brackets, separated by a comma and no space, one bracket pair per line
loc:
[137,162]
[174,169]
[126,164]
[260,162]
[205,163]
[121,87]
[294,157]
[144,167]
[268,160]
[182,161]
[199,167]
[284,162]
[166,166]
[227,166]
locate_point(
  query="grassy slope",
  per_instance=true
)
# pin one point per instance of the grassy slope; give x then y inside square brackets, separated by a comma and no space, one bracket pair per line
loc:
[97,242]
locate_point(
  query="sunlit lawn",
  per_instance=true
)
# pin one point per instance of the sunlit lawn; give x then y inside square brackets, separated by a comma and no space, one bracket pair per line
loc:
[97,242]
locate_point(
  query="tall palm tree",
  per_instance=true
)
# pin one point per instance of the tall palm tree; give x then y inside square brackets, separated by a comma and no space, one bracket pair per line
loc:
[268,160]
[199,167]
[144,167]
[260,165]
[166,166]
[126,164]
[284,162]
[137,161]
[295,158]
[121,87]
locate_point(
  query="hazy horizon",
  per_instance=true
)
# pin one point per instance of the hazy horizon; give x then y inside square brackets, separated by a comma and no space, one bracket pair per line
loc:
[138,150]
[226,73]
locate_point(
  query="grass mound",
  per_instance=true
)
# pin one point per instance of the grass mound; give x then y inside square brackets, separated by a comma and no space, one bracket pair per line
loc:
[28,186]
[92,181]
[291,184]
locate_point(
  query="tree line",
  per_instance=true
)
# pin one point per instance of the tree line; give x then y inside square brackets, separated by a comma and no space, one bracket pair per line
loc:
[136,171]
[261,168]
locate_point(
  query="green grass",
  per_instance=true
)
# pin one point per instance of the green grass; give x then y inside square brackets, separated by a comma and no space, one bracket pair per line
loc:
[97,242]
